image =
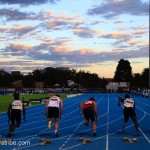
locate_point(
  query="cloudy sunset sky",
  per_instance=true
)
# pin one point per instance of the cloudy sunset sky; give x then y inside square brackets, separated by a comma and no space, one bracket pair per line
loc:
[91,35]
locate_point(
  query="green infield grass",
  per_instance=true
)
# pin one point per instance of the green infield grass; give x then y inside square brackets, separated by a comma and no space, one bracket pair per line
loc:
[5,100]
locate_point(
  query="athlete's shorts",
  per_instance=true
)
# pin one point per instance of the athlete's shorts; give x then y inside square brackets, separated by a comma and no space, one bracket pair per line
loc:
[89,114]
[129,112]
[53,112]
[16,117]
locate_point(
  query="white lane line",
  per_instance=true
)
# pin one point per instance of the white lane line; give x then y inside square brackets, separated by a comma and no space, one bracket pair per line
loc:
[142,103]
[103,135]
[145,113]
[71,135]
[64,127]
[33,136]
[94,139]
[144,135]
[107,137]
[143,110]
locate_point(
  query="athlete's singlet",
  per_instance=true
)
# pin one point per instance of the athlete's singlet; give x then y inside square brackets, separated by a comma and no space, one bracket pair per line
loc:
[129,102]
[88,104]
[54,101]
[17,104]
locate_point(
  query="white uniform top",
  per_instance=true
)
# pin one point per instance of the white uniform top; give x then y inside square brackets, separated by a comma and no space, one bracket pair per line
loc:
[17,104]
[54,101]
[129,102]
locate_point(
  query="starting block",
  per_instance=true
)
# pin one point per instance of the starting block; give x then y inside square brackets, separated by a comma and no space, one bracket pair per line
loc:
[9,139]
[1,141]
[130,140]
[81,139]
[44,141]
[85,140]
[125,138]
[88,140]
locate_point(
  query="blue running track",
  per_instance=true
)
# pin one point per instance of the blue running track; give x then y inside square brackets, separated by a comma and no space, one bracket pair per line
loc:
[71,126]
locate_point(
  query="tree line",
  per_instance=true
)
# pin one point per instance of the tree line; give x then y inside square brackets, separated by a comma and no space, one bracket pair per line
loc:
[51,76]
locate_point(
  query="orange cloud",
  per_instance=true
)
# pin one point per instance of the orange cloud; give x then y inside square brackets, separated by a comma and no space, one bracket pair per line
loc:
[99,32]
[52,14]
[3,28]
[21,46]
[130,41]
[47,43]
[63,48]
[87,32]
[121,28]
[139,32]
[118,35]
[85,51]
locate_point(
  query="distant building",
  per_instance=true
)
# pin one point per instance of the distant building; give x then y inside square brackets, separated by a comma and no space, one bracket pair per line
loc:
[63,68]
[39,84]
[15,73]
[117,86]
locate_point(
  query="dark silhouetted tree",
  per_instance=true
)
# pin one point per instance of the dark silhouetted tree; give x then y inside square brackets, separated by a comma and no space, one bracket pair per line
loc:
[5,79]
[145,78]
[123,71]
[136,81]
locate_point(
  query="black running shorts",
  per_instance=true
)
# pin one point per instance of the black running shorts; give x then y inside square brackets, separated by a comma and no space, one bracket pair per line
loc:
[129,112]
[16,117]
[53,112]
[89,114]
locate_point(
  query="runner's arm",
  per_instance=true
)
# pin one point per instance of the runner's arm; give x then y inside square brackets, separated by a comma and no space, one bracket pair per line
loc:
[8,112]
[120,100]
[24,112]
[81,107]
[46,106]
[61,108]
[134,105]
[95,111]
